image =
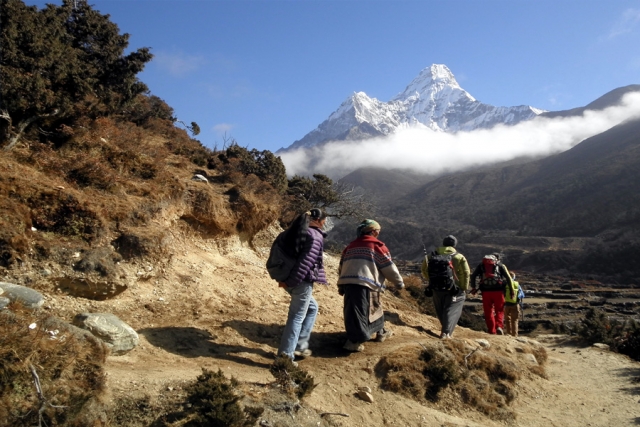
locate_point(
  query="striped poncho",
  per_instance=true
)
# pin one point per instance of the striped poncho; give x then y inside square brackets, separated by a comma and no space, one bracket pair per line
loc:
[367,262]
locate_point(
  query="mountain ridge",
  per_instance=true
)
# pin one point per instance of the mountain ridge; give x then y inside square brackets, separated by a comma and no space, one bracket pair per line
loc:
[433,100]
[404,182]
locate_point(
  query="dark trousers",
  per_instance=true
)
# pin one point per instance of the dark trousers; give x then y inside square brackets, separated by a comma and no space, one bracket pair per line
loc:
[356,314]
[448,309]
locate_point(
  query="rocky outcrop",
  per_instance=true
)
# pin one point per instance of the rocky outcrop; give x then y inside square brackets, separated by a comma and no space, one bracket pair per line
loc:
[119,337]
[27,296]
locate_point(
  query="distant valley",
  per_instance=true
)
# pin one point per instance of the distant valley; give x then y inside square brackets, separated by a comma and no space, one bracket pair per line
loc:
[574,213]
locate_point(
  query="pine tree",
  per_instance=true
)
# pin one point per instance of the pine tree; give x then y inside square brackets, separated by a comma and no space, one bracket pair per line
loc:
[61,62]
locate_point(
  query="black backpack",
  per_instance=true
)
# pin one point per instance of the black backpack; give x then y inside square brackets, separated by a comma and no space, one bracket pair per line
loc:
[280,262]
[441,272]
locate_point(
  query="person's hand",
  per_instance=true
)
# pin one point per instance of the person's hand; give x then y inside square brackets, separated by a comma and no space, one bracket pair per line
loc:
[474,291]
[341,289]
[282,284]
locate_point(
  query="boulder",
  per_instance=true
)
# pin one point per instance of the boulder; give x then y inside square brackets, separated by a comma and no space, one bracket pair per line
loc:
[101,261]
[61,328]
[198,177]
[367,397]
[27,296]
[483,342]
[530,359]
[4,302]
[119,337]
[84,287]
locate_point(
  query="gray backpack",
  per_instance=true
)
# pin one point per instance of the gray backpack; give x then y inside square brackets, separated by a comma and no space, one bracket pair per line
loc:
[279,263]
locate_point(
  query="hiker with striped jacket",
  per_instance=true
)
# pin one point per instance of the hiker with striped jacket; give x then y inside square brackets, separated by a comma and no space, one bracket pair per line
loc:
[365,265]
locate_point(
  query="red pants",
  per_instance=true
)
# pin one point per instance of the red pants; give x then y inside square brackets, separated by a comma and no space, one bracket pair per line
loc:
[493,306]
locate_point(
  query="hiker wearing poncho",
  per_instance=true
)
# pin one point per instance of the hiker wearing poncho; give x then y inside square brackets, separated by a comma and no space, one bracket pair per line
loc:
[364,266]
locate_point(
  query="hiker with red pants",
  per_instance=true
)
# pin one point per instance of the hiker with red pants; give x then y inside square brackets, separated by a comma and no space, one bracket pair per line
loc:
[494,280]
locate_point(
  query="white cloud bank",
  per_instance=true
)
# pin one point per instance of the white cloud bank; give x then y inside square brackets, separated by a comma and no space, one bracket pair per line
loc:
[429,152]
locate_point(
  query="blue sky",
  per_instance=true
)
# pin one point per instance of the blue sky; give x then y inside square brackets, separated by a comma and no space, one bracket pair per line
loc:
[267,72]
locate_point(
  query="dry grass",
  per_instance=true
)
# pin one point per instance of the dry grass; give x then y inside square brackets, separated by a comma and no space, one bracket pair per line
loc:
[293,380]
[69,365]
[451,370]
[110,179]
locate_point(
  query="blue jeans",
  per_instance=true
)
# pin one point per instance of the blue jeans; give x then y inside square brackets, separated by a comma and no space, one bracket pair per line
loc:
[303,310]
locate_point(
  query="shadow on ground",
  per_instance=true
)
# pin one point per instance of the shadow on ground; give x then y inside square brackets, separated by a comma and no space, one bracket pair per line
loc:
[323,344]
[633,374]
[193,342]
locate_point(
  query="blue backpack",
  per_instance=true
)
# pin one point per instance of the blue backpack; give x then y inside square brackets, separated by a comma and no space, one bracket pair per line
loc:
[520,295]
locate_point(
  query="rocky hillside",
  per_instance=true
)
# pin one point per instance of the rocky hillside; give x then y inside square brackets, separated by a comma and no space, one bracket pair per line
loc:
[211,305]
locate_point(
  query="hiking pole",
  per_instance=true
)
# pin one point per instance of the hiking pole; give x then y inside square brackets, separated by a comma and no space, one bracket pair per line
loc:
[428,292]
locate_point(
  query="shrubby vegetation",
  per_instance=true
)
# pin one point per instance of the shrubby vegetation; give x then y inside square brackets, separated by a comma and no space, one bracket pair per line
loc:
[61,63]
[292,379]
[597,327]
[451,373]
[68,364]
[214,403]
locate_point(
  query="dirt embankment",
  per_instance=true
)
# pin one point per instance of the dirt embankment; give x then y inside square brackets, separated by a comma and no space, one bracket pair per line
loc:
[212,305]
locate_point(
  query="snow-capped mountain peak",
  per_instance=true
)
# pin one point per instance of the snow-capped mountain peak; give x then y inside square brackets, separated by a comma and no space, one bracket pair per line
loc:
[431,79]
[434,99]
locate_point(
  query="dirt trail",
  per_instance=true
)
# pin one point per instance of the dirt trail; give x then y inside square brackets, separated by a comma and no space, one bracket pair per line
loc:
[215,307]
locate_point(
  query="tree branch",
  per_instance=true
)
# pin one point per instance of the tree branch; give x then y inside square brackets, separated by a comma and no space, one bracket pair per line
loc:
[22,126]
[43,401]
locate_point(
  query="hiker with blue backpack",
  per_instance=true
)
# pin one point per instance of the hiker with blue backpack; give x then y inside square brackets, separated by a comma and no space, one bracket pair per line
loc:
[447,272]
[296,263]
[512,307]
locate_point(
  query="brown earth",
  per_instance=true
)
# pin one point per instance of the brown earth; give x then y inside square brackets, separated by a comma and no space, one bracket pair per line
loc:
[213,305]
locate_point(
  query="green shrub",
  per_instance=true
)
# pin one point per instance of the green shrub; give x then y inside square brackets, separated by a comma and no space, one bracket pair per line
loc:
[214,402]
[263,164]
[292,379]
[597,327]
[630,341]
[441,370]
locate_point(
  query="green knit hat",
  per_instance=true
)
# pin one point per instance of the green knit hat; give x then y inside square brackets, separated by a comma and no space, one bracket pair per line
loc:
[366,226]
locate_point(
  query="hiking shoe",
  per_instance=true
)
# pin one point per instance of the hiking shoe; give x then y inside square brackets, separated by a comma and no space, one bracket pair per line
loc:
[302,354]
[383,335]
[499,331]
[353,346]
[444,336]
